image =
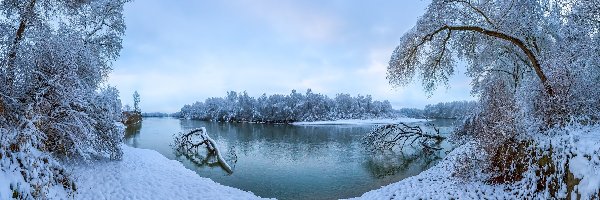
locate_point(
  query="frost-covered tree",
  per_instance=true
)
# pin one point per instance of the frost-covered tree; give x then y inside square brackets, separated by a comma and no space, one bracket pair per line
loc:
[280,108]
[136,102]
[537,48]
[126,107]
[54,55]
[534,66]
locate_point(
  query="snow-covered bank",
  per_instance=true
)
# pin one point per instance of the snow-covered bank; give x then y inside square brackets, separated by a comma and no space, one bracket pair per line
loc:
[438,183]
[582,144]
[361,121]
[146,174]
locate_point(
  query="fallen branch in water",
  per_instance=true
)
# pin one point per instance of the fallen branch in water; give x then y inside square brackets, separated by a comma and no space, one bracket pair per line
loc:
[189,143]
[389,136]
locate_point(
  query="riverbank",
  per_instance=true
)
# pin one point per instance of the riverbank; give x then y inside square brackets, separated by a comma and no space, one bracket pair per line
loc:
[146,174]
[578,146]
[361,121]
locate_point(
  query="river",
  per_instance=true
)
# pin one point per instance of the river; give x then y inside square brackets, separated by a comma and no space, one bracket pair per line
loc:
[287,161]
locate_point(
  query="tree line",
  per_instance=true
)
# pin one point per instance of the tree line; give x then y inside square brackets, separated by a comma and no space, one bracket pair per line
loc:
[278,108]
[443,110]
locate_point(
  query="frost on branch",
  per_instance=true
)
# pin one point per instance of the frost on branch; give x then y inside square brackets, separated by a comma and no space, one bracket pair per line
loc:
[397,136]
[189,144]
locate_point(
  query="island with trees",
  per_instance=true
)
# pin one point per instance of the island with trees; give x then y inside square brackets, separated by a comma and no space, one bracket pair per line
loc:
[295,107]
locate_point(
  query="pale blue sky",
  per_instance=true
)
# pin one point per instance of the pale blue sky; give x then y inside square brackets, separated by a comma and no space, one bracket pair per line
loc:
[179,52]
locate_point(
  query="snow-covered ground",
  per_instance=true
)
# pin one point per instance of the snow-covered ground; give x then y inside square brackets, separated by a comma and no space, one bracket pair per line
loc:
[361,121]
[146,174]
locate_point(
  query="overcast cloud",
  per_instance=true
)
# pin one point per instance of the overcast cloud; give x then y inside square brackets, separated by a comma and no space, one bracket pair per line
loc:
[179,52]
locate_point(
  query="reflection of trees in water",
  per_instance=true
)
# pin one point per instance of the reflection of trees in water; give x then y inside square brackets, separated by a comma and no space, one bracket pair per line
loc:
[132,133]
[207,159]
[197,146]
[389,163]
[279,141]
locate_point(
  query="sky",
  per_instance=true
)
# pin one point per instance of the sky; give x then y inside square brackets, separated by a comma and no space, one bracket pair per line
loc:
[179,52]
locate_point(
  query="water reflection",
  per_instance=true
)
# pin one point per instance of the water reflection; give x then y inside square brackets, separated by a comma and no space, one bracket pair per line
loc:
[131,134]
[389,163]
[284,161]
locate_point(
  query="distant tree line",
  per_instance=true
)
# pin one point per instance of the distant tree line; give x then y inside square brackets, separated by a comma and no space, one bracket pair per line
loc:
[156,114]
[444,110]
[278,108]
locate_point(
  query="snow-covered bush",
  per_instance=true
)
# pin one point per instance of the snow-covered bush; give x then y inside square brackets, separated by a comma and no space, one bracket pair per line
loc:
[25,171]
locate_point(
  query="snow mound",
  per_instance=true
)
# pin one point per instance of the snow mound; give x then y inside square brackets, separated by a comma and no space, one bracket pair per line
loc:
[361,121]
[146,174]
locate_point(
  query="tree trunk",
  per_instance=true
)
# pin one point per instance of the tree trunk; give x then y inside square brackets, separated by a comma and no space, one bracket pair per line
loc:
[515,41]
[12,55]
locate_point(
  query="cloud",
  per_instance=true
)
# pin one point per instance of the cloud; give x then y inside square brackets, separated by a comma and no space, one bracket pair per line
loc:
[179,52]
[292,18]
[411,95]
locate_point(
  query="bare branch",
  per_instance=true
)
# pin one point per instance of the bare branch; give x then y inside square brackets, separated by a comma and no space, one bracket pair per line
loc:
[388,137]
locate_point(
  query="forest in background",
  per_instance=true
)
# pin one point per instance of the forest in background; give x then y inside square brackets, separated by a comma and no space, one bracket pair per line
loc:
[278,108]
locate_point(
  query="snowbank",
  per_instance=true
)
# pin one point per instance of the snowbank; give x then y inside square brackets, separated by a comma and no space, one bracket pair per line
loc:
[146,174]
[361,121]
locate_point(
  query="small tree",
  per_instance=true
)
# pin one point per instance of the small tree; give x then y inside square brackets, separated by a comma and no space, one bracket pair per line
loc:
[136,102]
[127,108]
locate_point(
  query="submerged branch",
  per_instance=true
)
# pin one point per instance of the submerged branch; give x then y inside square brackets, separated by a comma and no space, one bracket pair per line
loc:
[189,143]
[387,137]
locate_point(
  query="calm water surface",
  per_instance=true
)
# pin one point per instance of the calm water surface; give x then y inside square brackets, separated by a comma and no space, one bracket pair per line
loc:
[286,161]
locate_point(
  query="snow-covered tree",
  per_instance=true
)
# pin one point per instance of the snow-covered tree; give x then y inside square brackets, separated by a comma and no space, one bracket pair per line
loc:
[54,57]
[136,102]
[126,107]
[279,108]
[534,66]
[536,47]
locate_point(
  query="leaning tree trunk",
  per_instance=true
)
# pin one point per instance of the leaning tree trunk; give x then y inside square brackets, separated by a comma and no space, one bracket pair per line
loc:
[189,143]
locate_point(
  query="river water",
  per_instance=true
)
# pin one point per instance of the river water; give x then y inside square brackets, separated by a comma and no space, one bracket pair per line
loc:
[287,161]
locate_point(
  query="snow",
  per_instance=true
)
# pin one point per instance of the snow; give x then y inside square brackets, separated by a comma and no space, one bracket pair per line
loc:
[7,178]
[146,174]
[585,165]
[361,121]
